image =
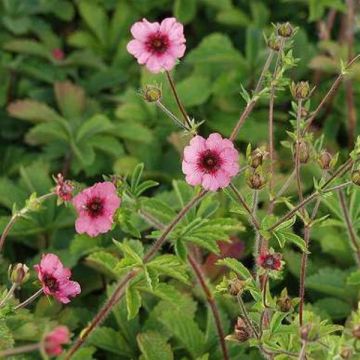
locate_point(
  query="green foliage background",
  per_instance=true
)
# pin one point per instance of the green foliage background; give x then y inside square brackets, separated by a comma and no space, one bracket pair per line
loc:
[83,115]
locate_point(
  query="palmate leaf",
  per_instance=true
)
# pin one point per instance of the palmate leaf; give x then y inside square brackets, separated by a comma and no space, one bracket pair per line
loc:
[104,262]
[235,266]
[153,346]
[207,232]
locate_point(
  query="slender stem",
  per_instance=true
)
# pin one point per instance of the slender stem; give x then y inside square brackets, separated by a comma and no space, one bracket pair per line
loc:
[174,118]
[302,354]
[30,299]
[242,201]
[177,99]
[246,316]
[304,259]
[264,290]
[287,183]
[250,105]
[329,94]
[9,294]
[297,152]
[18,215]
[350,227]
[255,202]
[211,301]
[20,350]
[120,288]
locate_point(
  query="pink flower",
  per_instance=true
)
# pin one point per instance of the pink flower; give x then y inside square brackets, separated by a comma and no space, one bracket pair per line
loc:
[158,46]
[58,54]
[211,162]
[53,340]
[96,207]
[269,260]
[64,188]
[55,279]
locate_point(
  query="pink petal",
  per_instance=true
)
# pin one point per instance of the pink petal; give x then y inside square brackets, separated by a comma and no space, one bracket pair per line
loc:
[223,179]
[82,223]
[167,24]
[188,168]
[142,29]
[192,151]
[153,64]
[194,178]
[177,51]
[168,61]
[210,183]
[50,264]
[214,142]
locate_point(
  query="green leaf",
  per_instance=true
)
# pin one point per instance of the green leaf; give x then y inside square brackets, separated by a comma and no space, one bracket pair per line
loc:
[46,133]
[336,308]
[133,301]
[95,17]
[6,338]
[136,177]
[84,353]
[233,17]
[29,47]
[130,130]
[354,278]
[153,346]
[103,262]
[169,265]
[132,249]
[70,99]
[235,266]
[33,111]
[97,124]
[184,10]
[194,90]
[145,185]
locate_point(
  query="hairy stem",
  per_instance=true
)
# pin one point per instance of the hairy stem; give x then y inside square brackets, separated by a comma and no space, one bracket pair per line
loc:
[173,117]
[250,105]
[30,299]
[350,227]
[297,152]
[247,319]
[302,354]
[120,287]
[177,99]
[16,217]
[20,350]
[211,301]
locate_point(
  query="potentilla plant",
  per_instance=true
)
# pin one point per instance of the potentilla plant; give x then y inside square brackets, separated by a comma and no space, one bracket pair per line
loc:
[267,319]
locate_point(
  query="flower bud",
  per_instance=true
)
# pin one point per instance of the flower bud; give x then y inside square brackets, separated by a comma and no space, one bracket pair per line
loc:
[356,331]
[256,158]
[303,152]
[284,303]
[355,177]
[18,273]
[285,30]
[64,188]
[274,43]
[309,333]
[325,160]
[152,93]
[300,90]
[236,286]
[256,181]
[241,330]
[346,353]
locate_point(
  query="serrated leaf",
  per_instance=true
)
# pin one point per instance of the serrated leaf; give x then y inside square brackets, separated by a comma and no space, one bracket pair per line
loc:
[169,265]
[132,249]
[354,278]
[235,266]
[133,301]
[136,176]
[95,125]
[153,346]
[104,262]
[70,99]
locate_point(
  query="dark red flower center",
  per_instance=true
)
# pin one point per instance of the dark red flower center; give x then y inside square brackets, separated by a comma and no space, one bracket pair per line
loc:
[157,43]
[95,207]
[50,282]
[209,161]
[271,261]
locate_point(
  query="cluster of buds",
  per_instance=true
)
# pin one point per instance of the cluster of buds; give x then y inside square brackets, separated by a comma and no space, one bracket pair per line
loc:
[241,330]
[151,93]
[64,188]
[300,90]
[309,332]
[269,260]
[18,274]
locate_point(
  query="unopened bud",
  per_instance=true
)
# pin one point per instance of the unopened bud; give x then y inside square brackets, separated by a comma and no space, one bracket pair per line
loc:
[152,93]
[325,160]
[236,286]
[284,304]
[300,90]
[18,273]
[309,333]
[346,353]
[241,330]
[256,181]
[355,177]
[285,30]
[274,43]
[356,331]
[256,158]
[303,152]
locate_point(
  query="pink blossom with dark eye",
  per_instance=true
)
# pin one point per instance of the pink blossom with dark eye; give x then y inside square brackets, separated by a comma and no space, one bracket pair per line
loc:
[96,207]
[211,162]
[269,261]
[55,279]
[54,340]
[157,46]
